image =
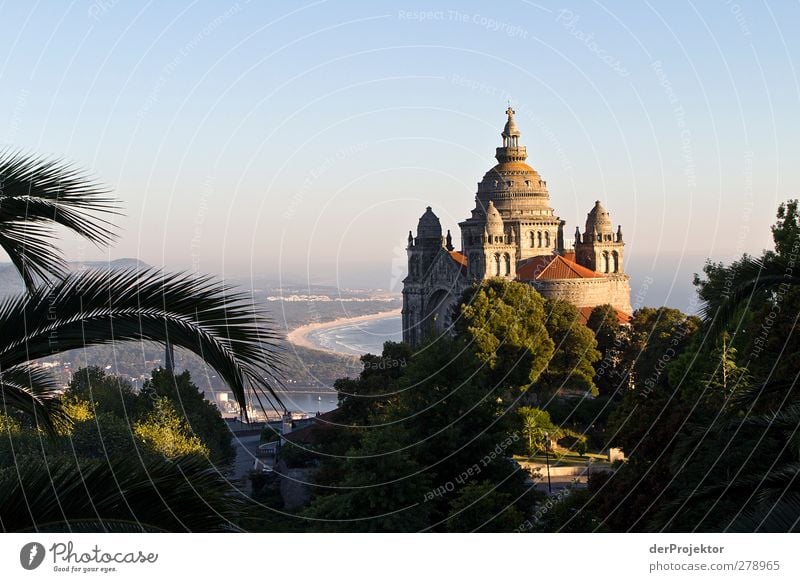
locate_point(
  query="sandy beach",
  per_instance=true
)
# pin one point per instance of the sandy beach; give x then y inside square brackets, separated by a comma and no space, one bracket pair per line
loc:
[299,336]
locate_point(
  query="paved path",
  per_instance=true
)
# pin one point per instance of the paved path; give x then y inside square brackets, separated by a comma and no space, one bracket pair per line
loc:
[245,454]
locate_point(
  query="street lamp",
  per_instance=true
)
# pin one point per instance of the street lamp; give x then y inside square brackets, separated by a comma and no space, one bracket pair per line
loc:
[547,460]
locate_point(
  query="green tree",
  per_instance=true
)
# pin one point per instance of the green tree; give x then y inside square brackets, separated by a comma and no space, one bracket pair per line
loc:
[202,416]
[657,337]
[611,374]
[537,428]
[446,426]
[376,385]
[167,433]
[479,507]
[383,489]
[104,393]
[504,322]
[727,376]
[574,354]
[103,435]
[786,230]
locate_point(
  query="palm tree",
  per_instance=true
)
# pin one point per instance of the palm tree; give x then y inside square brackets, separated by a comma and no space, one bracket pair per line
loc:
[118,495]
[750,281]
[37,195]
[764,494]
[538,428]
[63,311]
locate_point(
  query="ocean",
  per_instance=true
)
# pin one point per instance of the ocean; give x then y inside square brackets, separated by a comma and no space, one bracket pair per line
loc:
[309,402]
[355,339]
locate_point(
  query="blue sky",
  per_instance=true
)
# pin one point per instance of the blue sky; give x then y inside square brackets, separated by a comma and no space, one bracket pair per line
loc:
[305,139]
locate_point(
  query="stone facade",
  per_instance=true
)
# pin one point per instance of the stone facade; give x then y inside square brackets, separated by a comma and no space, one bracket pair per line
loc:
[513,233]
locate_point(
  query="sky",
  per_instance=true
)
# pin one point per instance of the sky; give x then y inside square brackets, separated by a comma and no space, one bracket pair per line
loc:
[301,141]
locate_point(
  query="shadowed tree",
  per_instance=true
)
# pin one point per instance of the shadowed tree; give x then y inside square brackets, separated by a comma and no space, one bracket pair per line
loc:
[574,355]
[90,495]
[611,336]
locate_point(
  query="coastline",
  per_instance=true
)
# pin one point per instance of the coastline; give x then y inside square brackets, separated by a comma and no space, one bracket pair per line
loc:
[299,336]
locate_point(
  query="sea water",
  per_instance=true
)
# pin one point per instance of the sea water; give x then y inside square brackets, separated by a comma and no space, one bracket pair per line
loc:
[355,339]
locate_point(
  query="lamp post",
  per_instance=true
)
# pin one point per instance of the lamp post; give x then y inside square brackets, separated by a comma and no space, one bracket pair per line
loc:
[588,470]
[547,460]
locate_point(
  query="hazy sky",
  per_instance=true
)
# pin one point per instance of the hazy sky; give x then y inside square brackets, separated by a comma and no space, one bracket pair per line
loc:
[281,137]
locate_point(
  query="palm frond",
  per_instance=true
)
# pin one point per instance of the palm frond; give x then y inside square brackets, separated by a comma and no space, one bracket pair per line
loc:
[36,195]
[750,276]
[101,495]
[779,517]
[99,307]
[32,390]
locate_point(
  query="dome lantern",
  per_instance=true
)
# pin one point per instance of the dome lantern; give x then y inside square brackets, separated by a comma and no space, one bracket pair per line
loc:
[511,132]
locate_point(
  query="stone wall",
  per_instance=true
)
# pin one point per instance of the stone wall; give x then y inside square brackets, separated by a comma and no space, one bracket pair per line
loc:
[589,292]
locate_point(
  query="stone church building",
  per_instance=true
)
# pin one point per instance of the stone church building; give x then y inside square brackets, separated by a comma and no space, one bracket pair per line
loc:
[513,233]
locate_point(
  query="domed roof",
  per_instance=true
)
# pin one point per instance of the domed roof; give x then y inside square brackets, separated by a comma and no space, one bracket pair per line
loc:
[429,225]
[509,178]
[494,223]
[512,183]
[599,219]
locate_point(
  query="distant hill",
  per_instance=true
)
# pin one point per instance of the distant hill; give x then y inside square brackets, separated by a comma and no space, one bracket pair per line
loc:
[11,282]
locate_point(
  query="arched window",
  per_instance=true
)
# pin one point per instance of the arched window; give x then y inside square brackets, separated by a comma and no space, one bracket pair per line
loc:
[497,264]
[547,239]
[604,262]
[539,239]
[532,236]
[615,262]
[507,261]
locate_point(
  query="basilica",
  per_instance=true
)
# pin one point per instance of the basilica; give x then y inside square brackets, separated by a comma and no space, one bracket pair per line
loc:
[513,233]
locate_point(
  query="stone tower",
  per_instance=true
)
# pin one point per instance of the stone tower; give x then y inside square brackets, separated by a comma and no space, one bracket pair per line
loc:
[599,248]
[521,198]
[490,248]
[434,280]
[423,249]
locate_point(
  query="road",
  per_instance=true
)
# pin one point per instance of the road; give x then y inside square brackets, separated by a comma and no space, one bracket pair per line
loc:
[245,454]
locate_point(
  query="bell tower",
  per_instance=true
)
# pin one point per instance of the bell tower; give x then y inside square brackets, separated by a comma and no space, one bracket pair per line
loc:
[599,248]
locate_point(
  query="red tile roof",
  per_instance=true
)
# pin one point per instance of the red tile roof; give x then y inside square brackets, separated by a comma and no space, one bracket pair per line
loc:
[553,267]
[459,258]
[530,269]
